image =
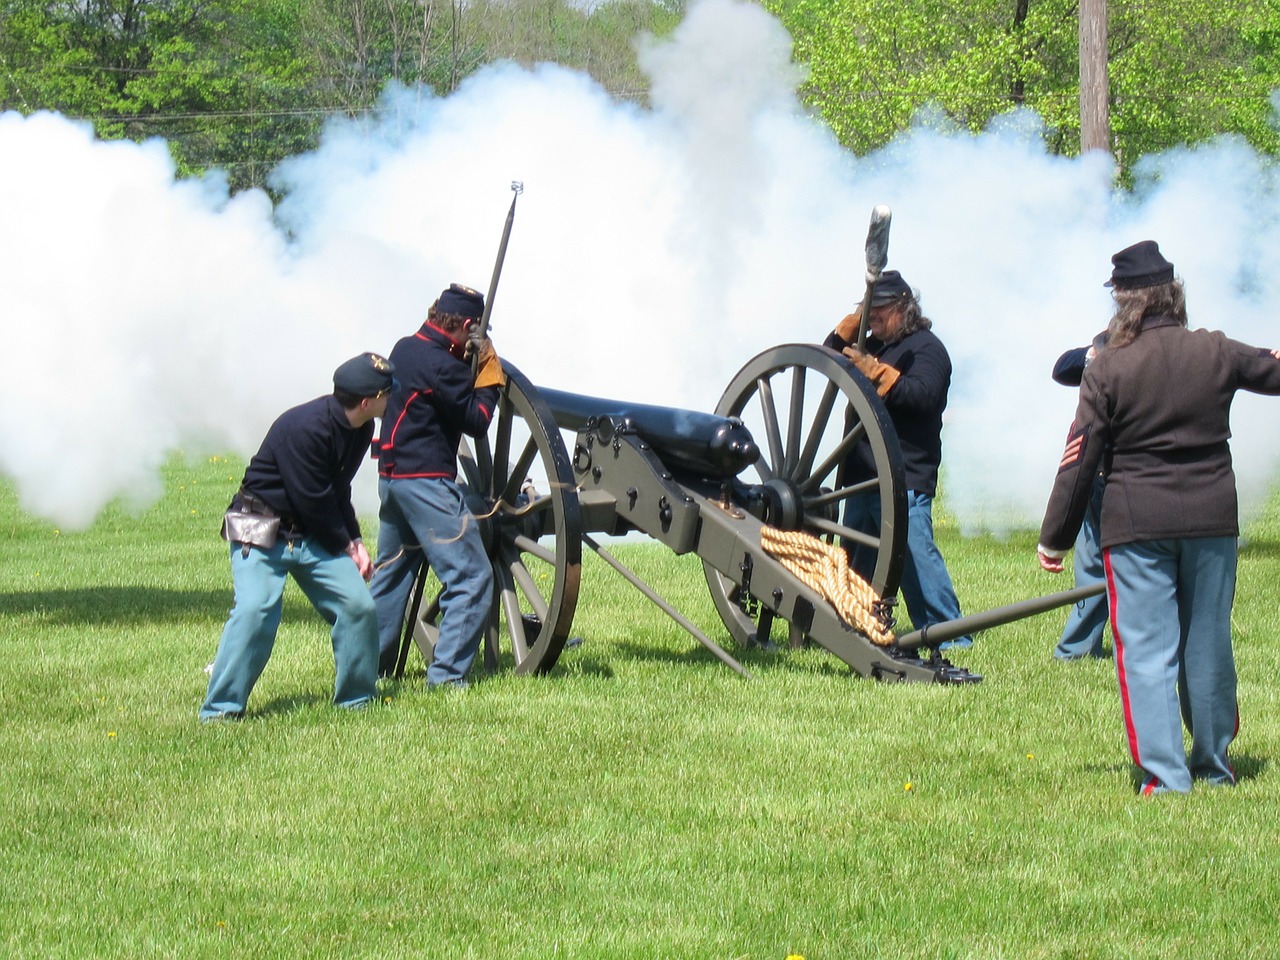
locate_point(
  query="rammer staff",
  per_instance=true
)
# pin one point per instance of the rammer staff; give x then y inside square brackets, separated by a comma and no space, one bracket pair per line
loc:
[481,329]
[877,257]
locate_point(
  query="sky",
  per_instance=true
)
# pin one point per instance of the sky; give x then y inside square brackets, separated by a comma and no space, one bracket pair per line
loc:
[655,250]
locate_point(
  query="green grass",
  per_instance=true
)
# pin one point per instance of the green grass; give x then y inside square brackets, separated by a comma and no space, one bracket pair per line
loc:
[642,801]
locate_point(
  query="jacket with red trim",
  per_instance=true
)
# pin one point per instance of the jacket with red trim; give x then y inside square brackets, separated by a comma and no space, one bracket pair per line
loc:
[1154,415]
[433,405]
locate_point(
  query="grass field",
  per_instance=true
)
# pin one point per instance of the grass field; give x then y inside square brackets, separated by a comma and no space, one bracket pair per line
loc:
[642,801]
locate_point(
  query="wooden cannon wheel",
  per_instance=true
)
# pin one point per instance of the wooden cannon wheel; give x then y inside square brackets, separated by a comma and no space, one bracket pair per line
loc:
[533,535]
[807,406]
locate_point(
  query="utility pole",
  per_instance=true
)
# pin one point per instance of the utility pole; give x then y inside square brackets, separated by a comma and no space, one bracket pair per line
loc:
[1095,120]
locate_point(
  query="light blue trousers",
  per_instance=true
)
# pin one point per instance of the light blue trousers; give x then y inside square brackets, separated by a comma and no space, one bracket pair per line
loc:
[427,520]
[1171,623]
[334,586]
[1082,633]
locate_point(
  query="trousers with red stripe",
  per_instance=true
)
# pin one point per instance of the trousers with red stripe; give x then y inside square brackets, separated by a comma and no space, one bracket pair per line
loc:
[1170,606]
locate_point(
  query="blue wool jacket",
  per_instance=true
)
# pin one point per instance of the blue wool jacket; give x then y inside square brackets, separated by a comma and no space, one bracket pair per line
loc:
[434,404]
[915,404]
[304,468]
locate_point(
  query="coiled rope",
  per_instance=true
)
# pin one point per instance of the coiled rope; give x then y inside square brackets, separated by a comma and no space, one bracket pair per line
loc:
[825,568]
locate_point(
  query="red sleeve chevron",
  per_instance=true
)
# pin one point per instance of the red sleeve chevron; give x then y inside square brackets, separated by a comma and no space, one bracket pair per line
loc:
[1075,446]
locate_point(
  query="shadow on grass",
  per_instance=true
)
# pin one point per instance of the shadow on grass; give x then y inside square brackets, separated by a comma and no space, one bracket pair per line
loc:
[575,663]
[1246,767]
[107,605]
[754,660]
[1265,549]
[581,667]
[290,704]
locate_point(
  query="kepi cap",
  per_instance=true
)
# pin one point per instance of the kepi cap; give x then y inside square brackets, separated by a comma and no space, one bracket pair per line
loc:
[461,301]
[890,288]
[1138,266]
[365,376]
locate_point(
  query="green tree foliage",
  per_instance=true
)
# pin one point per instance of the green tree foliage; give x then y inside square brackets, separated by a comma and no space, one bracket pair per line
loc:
[220,82]
[358,46]
[1181,71]
[1208,68]
[241,84]
[598,40]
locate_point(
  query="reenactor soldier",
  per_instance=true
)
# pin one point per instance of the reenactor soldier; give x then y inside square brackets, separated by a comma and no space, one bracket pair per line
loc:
[1155,403]
[293,517]
[911,370]
[424,518]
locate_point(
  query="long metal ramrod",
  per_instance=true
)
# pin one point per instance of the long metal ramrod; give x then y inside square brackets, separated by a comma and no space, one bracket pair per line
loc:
[481,329]
[942,632]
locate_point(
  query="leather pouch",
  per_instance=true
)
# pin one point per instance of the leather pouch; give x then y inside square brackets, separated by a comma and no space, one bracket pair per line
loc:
[250,529]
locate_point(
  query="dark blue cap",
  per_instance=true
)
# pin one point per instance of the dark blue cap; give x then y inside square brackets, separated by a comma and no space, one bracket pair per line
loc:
[365,376]
[890,288]
[461,301]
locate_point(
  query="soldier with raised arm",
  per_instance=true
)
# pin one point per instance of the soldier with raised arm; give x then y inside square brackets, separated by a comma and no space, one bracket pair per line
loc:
[1155,402]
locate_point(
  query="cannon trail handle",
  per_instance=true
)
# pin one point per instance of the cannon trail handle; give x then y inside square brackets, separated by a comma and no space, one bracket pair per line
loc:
[481,330]
[942,632]
[877,256]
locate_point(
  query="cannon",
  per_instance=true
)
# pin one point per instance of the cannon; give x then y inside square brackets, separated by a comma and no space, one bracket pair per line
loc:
[763,468]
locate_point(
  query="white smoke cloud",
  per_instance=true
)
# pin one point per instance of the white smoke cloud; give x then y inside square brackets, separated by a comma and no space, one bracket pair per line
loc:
[654,252]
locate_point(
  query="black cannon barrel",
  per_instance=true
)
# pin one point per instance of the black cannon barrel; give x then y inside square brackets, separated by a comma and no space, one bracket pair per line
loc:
[685,440]
[942,632]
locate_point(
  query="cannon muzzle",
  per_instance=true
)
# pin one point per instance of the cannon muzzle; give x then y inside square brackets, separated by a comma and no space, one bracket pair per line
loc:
[703,444]
[942,632]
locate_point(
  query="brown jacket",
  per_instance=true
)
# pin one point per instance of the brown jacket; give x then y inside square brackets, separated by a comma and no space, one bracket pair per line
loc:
[1154,417]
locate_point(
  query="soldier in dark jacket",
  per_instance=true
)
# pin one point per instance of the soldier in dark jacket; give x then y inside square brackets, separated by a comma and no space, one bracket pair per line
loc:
[1156,403]
[423,516]
[293,516]
[911,371]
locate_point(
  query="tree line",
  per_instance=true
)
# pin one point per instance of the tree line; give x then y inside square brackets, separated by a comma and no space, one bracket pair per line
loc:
[242,84]
[1179,71]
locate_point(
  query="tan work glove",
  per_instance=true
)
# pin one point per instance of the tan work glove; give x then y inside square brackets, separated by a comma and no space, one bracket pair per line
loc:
[881,375]
[489,367]
[847,329]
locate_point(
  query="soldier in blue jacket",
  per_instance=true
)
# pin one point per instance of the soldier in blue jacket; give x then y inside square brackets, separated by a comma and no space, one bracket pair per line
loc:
[293,517]
[1156,403]
[424,518]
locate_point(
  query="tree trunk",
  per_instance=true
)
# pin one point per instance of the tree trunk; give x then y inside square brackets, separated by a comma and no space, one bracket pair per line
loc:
[1019,89]
[1095,122]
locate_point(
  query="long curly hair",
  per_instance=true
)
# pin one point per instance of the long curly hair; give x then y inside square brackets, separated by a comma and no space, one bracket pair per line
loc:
[913,318]
[1133,306]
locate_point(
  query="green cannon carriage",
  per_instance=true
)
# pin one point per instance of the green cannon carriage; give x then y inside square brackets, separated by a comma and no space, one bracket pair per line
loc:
[765,465]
